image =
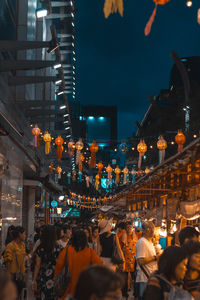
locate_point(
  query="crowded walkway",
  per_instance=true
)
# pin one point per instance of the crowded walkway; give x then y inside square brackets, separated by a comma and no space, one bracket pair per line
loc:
[99,261]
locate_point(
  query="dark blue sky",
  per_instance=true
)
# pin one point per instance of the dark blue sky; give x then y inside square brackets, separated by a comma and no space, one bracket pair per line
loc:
[118,65]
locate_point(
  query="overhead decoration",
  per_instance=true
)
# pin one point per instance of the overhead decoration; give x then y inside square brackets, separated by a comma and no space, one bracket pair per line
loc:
[94,149]
[147,171]
[79,147]
[97,181]
[68,178]
[162,146]
[141,148]
[123,147]
[59,142]
[180,139]
[74,175]
[112,6]
[109,171]
[59,171]
[117,172]
[152,18]
[71,148]
[51,168]
[81,160]
[36,132]
[133,173]
[47,140]
[100,168]
[87,179]
[125,171]
[198,16]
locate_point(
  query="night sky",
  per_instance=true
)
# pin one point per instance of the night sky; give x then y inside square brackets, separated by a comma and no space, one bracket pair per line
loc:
[118,65]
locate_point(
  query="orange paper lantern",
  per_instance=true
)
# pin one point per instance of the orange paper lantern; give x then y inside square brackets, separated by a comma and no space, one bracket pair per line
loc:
[117,172]
[162,146]
[47,140]
[141,148]
[59,171]
[36,132]
[109,171]
[80,166]
[100,168]
[59,142]
[71,148]
[151,20]
[79,146]
[94,149]
[180,139]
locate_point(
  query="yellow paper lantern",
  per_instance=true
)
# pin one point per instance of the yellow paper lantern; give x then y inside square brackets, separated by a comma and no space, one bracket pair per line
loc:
[47,140]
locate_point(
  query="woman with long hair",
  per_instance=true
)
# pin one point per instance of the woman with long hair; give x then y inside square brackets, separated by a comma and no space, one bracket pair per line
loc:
[99,283]
[14,257]
[172,266]
[46,256]
[79,256]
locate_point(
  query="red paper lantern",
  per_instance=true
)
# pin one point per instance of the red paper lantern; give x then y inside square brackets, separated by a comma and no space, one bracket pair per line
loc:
[59,142]
[100,168]
[59,171]
[180,139]
[151,20]
[36,132]
[94,149]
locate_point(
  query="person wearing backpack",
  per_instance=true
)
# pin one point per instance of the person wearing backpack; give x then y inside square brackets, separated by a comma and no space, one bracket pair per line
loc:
[165,284]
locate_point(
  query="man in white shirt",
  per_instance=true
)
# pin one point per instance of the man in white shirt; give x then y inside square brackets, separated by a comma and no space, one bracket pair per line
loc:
[146,257]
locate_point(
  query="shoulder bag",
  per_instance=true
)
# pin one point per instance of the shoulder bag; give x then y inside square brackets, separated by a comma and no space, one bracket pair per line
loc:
[117,257]
[61,282]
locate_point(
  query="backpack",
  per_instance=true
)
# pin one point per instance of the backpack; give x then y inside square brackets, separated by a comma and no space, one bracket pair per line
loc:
[175,293]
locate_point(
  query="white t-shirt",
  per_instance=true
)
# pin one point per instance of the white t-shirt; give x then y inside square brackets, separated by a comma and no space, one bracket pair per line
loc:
[144,249]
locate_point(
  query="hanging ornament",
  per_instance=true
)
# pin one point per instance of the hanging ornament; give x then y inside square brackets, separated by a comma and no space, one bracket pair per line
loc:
[81,160]
[162,146]
[180,140]
[109,171]
[123,147]
[151,20]
[198,16]
[80,176]
[79,147]
[51,168]
[94,149]
[147,170]
[59,171]
[125,171]
[36,132]
[141,148]
[87,179]
[71,148]
[100,168]
[112,6]
[59,142]
[74,175]
[117,172]
[133,173]
[47,140]
[97,181]
[68,177]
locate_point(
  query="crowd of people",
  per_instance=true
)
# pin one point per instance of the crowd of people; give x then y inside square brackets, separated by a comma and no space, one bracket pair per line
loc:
[80,261]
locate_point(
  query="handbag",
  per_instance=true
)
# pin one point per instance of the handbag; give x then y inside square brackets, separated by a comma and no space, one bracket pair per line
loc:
[61,282]
[19,276]
[117,257]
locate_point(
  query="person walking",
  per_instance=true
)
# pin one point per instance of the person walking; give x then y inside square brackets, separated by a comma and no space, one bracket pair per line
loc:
[99,283]
[108,242]
[129,255]
[14,257]
[79,256]
[146,258]
[46,257]
[95,240]
[172,266]
[192,278]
